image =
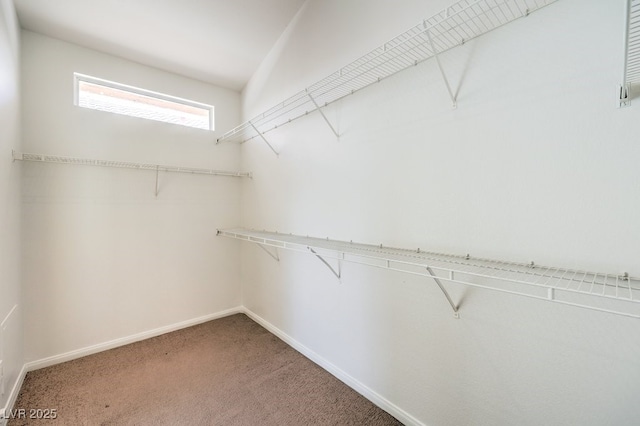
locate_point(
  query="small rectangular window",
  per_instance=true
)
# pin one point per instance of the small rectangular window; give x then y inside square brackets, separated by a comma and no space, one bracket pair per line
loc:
[95,93]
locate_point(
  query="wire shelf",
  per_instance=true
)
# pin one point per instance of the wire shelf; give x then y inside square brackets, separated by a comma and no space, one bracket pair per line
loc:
[43,158]
[632,60]
[463,21]
[612,293]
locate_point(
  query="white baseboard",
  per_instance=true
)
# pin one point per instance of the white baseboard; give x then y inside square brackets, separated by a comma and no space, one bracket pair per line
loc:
[358,386]
[13,396]
[79,353]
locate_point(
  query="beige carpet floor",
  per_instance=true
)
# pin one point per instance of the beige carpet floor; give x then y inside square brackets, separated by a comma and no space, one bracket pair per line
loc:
[230,371]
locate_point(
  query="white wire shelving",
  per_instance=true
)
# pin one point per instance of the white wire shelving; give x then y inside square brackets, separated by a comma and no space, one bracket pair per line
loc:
[611,293]
[457,24]
[157,168]
[631,69]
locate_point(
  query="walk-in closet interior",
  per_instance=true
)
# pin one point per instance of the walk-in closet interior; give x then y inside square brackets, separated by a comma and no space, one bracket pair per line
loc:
[434,201]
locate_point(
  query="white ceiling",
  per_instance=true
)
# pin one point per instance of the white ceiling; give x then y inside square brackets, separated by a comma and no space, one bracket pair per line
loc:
[218,41]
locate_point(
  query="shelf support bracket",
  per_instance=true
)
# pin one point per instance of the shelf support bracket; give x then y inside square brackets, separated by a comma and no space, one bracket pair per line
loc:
[444,76]
[625,99]
[322,113]
[264,139]
[446,293]
[157,176]
[337,274]
[274,256]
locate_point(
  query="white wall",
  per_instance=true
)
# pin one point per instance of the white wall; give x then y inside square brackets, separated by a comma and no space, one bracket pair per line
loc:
[10,292]
[104,258]
[536,163]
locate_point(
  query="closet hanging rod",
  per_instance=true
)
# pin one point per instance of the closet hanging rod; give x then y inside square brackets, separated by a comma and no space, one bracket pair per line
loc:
[44,158]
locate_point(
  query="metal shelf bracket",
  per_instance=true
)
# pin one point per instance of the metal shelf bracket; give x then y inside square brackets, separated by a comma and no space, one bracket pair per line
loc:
[322,113]
[456,314]
[157,176]
[273,255]
[625,98]
[264,139]
[337,274]
[444,75]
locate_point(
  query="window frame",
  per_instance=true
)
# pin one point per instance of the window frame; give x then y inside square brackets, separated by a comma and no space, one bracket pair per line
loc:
[78,77]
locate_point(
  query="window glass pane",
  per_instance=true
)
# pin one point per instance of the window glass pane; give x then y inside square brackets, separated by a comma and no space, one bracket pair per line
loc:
[121,101]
